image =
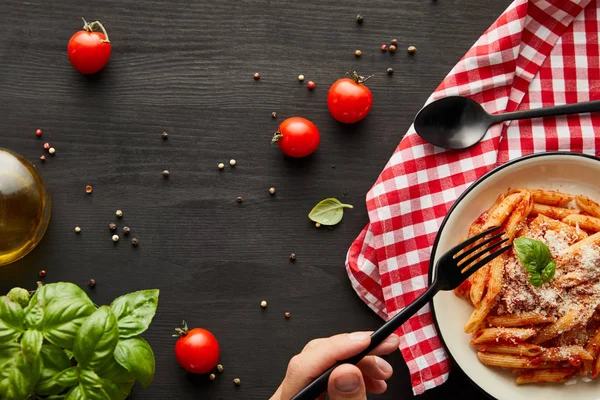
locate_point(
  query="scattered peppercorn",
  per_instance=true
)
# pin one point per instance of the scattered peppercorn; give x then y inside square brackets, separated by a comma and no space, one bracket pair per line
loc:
[301,78]
[390,70]
[115,238]
[394,42]
[212,377]
[42,273]
[359,18]
[46,146]
[42,158]
[166,173]
[357,53]
[411,49]
[221,165]
[256,76]
[332,166]
[237,381]
[126,230]
[384,47]
[92,283]
[318,224]
[135,242]
[119,214]
[263,304]
[38,133]
[274,114]
[311,85]
[293,257]
[52,150]
[239,199]
[88,189]
[77,229]
[272,190]
[220,367]
[165,135]
[392,49]
[287,314]
[232,162]
[112,226]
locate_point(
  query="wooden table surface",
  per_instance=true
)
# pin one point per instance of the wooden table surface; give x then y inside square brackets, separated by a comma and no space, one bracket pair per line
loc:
[186,66]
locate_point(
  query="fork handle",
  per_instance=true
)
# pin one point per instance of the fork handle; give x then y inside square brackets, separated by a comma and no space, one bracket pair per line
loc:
[319,385]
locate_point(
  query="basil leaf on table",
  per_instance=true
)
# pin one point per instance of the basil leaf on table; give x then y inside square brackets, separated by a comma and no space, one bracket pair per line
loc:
[11,320]
[8,357]
[118,382]
[134,311]
[31,344]
[328,212]
[55,360]
[58,310]
[19,296]
[92,386]
[96,339]
[67,378]
[136,356]
[21,379]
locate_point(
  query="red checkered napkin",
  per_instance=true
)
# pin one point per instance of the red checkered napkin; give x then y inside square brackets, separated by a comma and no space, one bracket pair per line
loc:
[538,53]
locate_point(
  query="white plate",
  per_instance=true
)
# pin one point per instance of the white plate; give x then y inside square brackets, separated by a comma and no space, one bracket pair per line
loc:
[568,172]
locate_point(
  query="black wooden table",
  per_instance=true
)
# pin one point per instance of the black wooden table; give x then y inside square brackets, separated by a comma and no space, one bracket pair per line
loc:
[185,67]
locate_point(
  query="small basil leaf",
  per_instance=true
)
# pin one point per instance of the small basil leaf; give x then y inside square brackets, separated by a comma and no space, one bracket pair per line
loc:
[536,280]
[136,356]
[92,386]
[55,361]
[8,358]
[22,378]
[19,296]
[31,344]
[118,391]
[134,311]
[69,353]
[532,253]
[113,371]
[96,340]
[58,310]
[11,320]
[68,377]
[328,212]
[549,271]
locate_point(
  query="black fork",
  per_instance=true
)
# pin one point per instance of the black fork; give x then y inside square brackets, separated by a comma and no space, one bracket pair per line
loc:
[450,271]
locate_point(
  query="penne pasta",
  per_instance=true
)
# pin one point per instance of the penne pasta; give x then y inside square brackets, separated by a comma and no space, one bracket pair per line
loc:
[588,205]
[512,361]
[551,197]
[552,212]
[500,213]
[543,221]
[520,349]
[513,335]
[515,320]
[592,347]
[566,353]
[583,221]
[478,281]
[545,375]
[563,324]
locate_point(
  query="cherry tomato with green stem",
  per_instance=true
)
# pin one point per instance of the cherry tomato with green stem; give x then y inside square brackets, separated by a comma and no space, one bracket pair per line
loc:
[88,50]
[196,350]
[297,137]
[349,100]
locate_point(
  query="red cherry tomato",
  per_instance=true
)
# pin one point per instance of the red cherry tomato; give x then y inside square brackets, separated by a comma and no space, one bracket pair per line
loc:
[89,51]
[197,350]
[297,137]
[349,100]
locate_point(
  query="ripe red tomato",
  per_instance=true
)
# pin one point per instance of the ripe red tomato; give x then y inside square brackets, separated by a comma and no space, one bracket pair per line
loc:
[197,350]
[89,51]
[349,100]
[297,137]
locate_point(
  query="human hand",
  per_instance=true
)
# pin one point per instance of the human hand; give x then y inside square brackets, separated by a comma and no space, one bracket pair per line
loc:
[347,382]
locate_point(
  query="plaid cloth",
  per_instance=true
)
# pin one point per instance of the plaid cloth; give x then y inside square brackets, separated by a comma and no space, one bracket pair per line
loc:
[538,53]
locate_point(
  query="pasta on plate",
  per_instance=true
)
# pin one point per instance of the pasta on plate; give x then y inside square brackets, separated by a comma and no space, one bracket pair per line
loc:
[536,308]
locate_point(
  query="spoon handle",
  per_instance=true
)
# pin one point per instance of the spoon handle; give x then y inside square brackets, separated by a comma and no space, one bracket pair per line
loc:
[576,108]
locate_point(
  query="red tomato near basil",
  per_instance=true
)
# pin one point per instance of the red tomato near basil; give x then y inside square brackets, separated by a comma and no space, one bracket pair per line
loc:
[88,50]
[197,350]
[297,137]
[349,100]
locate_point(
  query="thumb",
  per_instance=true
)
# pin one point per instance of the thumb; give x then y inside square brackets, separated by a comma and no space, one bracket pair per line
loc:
[346,383]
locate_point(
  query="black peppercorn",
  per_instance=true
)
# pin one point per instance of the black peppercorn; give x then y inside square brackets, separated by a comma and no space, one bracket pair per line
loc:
[112,227]
[165,135]
[293,257]
[359,19]
[126,230]
[135,242]
[92,283]
[239,199]
[390,71]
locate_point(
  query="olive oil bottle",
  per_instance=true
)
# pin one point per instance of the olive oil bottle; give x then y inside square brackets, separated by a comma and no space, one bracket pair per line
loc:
[25,207]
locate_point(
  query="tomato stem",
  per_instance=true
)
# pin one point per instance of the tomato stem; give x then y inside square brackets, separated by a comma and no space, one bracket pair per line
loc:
[276,138]
[181,331]
[358,78]
[90,26]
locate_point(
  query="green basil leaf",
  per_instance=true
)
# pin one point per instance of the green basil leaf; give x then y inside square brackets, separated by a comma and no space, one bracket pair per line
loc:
[82,392]
[118,391]
[118,382]
[536,280]
[11,320]
[328,212]
[69,353]
[21,379]
[549,271]
[19,296]
[58,310]
[68,377]
[92,386]
[136,356]
[55,397]
[135,311]
[8,358]
[31,344]
[55,361]
[96,340]
[533,254]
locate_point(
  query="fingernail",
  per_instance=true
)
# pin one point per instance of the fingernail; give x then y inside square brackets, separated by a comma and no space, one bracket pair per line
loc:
[347,383]
[383,365]
[393,338]
[359,336]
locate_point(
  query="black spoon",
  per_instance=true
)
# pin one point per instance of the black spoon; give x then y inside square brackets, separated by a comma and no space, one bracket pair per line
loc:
[457,122]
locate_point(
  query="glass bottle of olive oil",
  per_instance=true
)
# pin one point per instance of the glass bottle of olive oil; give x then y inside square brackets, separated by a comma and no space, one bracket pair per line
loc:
[25,207]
